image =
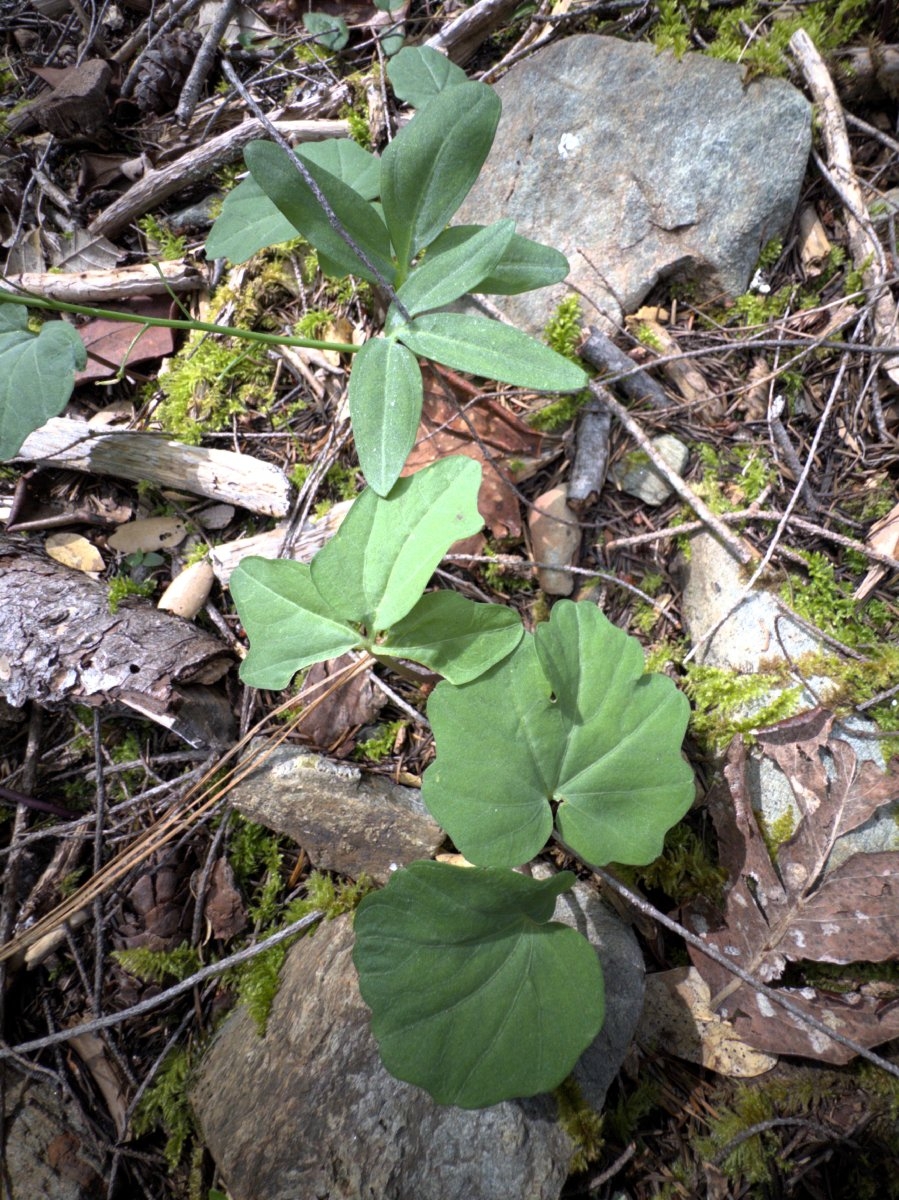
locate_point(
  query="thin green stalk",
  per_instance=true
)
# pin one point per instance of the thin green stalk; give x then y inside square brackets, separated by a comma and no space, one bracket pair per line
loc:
[249,335]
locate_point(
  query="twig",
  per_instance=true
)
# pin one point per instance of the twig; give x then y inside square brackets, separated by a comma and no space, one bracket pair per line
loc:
[600,351]
[190,93]
[591,455]
[739,549]
[172,993]
[762,1127]
[99,832]
[781,439]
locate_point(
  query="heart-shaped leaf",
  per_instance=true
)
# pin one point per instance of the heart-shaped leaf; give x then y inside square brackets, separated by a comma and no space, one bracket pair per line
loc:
[568,718]
[455,637]
[524,265]
[441,281]
[476,995]
[429,167]
[287,622]
[418,73]
[385,398]
[492,350]
[37,374]
[377,565]
[279,178]
[330,32]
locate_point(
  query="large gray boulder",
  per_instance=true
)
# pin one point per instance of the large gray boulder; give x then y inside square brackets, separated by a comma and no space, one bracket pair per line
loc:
[308,1111]
[639,166]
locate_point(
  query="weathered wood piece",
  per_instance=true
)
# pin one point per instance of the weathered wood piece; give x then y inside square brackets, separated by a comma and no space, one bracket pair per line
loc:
[103,287]
[59,642]
[220,474]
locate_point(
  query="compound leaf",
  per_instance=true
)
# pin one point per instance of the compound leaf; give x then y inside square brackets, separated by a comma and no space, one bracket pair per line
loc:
[278,177]
[429,167]
[459,270]
[377,565]
[476,994]
[455,637]
[524,265]
[385,398]
[288,623]
[492,350]
[418,73]
[568,718]
[37,374]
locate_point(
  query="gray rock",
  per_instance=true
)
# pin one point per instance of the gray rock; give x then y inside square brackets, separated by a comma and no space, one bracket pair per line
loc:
[346,820]
[638,477]
[49,1149]
[757,633]
[309,1112]
[639,166]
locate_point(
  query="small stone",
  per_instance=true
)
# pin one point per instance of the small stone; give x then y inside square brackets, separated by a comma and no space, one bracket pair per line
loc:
[555,540]
[638,477]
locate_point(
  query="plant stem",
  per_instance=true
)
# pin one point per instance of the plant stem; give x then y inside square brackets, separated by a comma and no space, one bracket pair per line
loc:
[109,314]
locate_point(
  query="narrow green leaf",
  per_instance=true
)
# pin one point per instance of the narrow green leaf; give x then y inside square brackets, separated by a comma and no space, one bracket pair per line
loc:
[524,266]
[440,281]
[568,718]
[418,73]
[277,176]
[455,637]
[37,374]
[492,350]
[377,565]
[288,623]
[330,32]
[477,996]
[385,398]
[347,161]
[429,167]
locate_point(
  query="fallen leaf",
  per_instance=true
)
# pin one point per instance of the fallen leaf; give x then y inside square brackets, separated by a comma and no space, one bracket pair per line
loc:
[792,907]
[883,536]
[224,909]
[189,590]
[508,449]
[74,550]
[676,1016]
[151,533]
[106,1075]
[116,345]
[341,708]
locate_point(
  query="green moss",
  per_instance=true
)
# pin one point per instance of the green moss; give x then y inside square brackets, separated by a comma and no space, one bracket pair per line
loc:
[778,831]
[622,1117]
[165,1104]
[672,30]
[122,586]
[685,870]
[726,703]
[563,330]
[209,382]
[356,117]
[313,323]
[827,602]
[580,1122]
[159,966]
[559,414]
[504,580]
[161,242]
[376,749]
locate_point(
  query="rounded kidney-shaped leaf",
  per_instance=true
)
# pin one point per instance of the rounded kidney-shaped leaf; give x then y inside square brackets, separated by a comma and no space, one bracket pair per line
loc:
[476,995]
[569,718]
[37,374]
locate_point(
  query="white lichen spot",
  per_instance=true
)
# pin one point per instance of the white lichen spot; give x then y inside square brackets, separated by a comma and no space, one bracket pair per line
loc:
[765,1007]
[569,144]
[799,938]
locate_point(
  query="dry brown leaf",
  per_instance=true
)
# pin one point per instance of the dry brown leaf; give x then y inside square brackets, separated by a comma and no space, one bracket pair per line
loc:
[73,550]
[114,345]
[149,534]
[491,435]
[224,909]
[106,1075]
[791,908]
[883,536]
[341,710]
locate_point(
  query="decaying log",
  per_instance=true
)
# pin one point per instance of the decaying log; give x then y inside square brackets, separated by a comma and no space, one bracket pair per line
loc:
[219,474]
[104,287]
[59,642]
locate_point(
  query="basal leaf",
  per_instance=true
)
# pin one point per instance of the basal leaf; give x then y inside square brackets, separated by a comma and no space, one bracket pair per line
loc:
[418,73]
[455,637]
[431,164]
[524,265]
[442,280]
[248,223]
[288,623]
[37,374]
[568,718]
[385,397]
[330,32]
[346,160]
[279,179]
[378,564]
[476,994]
[492,350]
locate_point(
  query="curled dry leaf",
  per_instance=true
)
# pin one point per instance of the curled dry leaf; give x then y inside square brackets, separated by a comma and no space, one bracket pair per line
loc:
[791,907]
[73,550]
[883,537]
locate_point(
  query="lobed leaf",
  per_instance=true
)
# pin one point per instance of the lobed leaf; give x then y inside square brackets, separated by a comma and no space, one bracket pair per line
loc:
[418,73]
[37,374]
[375,568]
[288,623]
[455,637]
[570,719]
[524,265]
[442,280]
[330,32]
[277,176]
[476,995]
[385,398]
[430,166]
[492,350]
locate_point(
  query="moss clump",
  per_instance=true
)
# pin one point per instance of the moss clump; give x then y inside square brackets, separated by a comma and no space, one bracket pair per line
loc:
[209,382]
[685,870]
[376,749]
[122,586]
[580,1122]
[159,966]
[727,703]
[161,242]
[734,477]
[165,1104]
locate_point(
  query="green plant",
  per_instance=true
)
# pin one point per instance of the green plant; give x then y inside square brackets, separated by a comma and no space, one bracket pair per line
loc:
[165,1103]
